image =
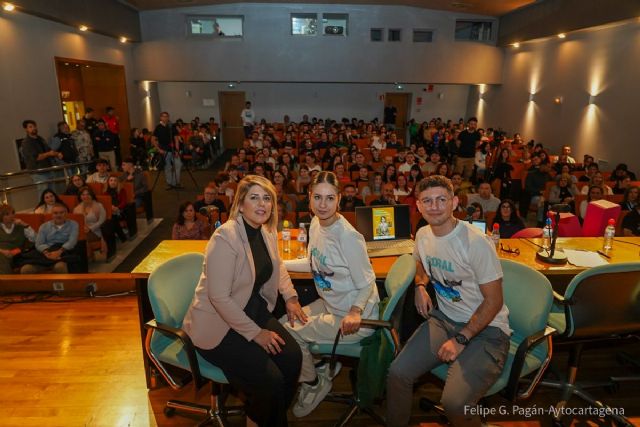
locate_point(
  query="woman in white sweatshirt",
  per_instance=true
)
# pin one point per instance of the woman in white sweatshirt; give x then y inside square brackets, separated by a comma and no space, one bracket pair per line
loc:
[345,282]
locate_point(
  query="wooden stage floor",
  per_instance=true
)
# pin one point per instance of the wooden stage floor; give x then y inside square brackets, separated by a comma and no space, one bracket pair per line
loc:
[79,363]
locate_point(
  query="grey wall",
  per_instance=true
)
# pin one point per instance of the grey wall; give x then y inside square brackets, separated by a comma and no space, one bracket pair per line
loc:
[268,52]
[272,101]
[27,70]
[603,62]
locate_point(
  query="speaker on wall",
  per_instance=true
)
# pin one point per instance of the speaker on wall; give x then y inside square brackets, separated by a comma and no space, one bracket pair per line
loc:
[333,30]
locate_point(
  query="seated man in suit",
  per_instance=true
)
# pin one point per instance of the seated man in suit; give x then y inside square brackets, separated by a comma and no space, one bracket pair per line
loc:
[55,245]
[349,201]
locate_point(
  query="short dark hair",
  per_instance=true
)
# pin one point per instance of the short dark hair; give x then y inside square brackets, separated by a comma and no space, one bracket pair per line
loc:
[28,122]
[435,181]
[472,119]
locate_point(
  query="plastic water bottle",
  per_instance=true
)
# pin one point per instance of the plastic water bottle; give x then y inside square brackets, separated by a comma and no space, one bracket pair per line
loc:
[547,234]
[286,237]
[302,241]
[217,225]
[495,235]
[609,234]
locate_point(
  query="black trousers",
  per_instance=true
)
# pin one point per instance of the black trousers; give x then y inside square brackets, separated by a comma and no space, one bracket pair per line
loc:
[268,381]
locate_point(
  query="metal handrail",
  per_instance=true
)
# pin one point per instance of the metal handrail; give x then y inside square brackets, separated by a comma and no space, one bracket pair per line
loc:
[52,168]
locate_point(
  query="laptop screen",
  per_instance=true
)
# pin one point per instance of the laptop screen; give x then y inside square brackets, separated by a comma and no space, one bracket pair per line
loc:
[383,222]
[482,225]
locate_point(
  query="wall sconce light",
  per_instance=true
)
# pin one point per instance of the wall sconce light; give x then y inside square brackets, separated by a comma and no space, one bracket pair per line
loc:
[562,35]
[123,39]
[231,85]
[399,86]
[515,45]
[532,97]
[557,100]
[592,99]
[481,96]
[146,93]
[83,28]
[8,7]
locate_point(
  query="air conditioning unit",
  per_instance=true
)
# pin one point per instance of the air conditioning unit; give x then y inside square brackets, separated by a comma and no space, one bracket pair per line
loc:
[334,30]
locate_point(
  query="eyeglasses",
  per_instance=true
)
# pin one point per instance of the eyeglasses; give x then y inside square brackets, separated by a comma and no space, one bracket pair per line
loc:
[508,250]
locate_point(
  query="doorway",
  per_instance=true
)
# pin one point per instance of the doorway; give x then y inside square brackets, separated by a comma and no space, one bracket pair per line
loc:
[97,85]
[402,102]
[231,105]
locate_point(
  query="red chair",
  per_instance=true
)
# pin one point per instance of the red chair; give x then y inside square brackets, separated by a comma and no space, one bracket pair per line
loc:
[528,233]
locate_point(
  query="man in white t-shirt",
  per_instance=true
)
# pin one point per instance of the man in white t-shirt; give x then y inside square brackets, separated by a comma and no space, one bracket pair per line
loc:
[248,119]
[470,328]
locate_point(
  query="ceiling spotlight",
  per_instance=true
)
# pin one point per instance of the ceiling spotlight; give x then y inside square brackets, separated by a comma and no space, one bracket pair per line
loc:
[83,28]
[515,45]
[592,99]
[557,100]
[562,35]
[532,97]
[123,39]
[9,7]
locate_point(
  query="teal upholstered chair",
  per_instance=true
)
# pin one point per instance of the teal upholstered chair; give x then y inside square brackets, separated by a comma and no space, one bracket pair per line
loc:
[600,304]
[171,289]
[529,297]
[399,278]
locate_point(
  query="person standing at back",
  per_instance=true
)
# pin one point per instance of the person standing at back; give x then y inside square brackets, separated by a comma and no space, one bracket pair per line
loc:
[166,141]
[467,143]
[38,155]
[248,117]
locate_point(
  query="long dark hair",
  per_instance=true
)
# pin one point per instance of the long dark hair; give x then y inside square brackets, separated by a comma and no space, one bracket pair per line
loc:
[513,217]
[183,207]
[41,202]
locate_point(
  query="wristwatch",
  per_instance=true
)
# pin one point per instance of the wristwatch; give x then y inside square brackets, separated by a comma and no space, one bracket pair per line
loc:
[461,339]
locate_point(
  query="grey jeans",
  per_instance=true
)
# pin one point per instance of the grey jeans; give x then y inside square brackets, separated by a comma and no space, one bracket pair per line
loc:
[469,377]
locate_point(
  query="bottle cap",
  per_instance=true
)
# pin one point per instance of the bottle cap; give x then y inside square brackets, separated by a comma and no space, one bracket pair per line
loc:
[612,221]
[549,221]
[285,224]
[496,226]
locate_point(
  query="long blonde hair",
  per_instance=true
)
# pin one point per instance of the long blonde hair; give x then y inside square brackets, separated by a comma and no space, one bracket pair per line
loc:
[241,193]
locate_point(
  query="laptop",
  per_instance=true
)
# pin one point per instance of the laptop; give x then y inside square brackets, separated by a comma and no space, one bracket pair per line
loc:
[386,229]
[480,224]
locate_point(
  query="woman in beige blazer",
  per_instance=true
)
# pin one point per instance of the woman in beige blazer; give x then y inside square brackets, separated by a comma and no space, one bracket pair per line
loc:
[230,320]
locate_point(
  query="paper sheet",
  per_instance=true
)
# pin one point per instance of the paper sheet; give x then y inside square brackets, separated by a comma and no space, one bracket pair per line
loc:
[300,265]
[584,258]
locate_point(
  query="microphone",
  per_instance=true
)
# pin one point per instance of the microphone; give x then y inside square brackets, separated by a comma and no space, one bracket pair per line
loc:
[551,256]
[470,211]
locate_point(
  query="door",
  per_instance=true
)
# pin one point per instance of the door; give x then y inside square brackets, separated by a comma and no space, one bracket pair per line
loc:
[231,105]
[402,102]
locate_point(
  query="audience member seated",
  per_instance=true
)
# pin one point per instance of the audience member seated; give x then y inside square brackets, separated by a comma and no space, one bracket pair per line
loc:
[188,226]
[410,162]
[485,198]
[55,245]
[389,174]
[349,201]
[621,171]
[209,200]
[402,189]
[76,183]
[415,176]
[120,209]
[598,180]
[142,195]
[534,186]
[386,197]
[48,200]
[101,174]
[443,169]
[631,198]
[303,180]
[223,183]
[15,237]
[631,222]
[565,169]
[507,217]
[341,174]
[565,154]
[590,171]
[94,217]
[595,193]
[564,191]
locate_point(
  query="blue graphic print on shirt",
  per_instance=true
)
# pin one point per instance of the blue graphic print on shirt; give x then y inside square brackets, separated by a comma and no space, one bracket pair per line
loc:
[320,277]
[446,290]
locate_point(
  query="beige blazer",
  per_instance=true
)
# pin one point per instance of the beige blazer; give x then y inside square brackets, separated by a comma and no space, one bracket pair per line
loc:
[226,284]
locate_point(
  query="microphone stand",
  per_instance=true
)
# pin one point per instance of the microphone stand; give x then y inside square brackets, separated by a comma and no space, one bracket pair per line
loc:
[551,256]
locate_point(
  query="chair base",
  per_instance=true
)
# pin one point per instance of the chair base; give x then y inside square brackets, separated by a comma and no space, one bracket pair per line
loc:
[569,390]
[353,409]
[216,413]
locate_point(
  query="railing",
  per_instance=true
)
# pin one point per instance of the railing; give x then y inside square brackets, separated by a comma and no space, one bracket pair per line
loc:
[66,171]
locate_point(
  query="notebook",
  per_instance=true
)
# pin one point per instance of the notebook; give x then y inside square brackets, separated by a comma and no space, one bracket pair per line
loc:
[386,229]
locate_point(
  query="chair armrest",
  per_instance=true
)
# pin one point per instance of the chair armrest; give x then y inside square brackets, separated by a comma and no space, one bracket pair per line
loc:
[194,368]
[511,390]
[557,298]
[374,324]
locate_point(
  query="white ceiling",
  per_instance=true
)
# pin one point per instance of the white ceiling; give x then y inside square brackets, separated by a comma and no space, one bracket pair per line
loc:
[480,7]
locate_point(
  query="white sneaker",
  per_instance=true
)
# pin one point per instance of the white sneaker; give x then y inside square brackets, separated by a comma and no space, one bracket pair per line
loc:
[310,396]
[325,371]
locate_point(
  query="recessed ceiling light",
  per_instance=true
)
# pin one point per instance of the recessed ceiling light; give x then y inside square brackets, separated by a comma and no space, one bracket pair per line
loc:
[9,7]
[562,35]
[83,28]
[516,45]
[123,39]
